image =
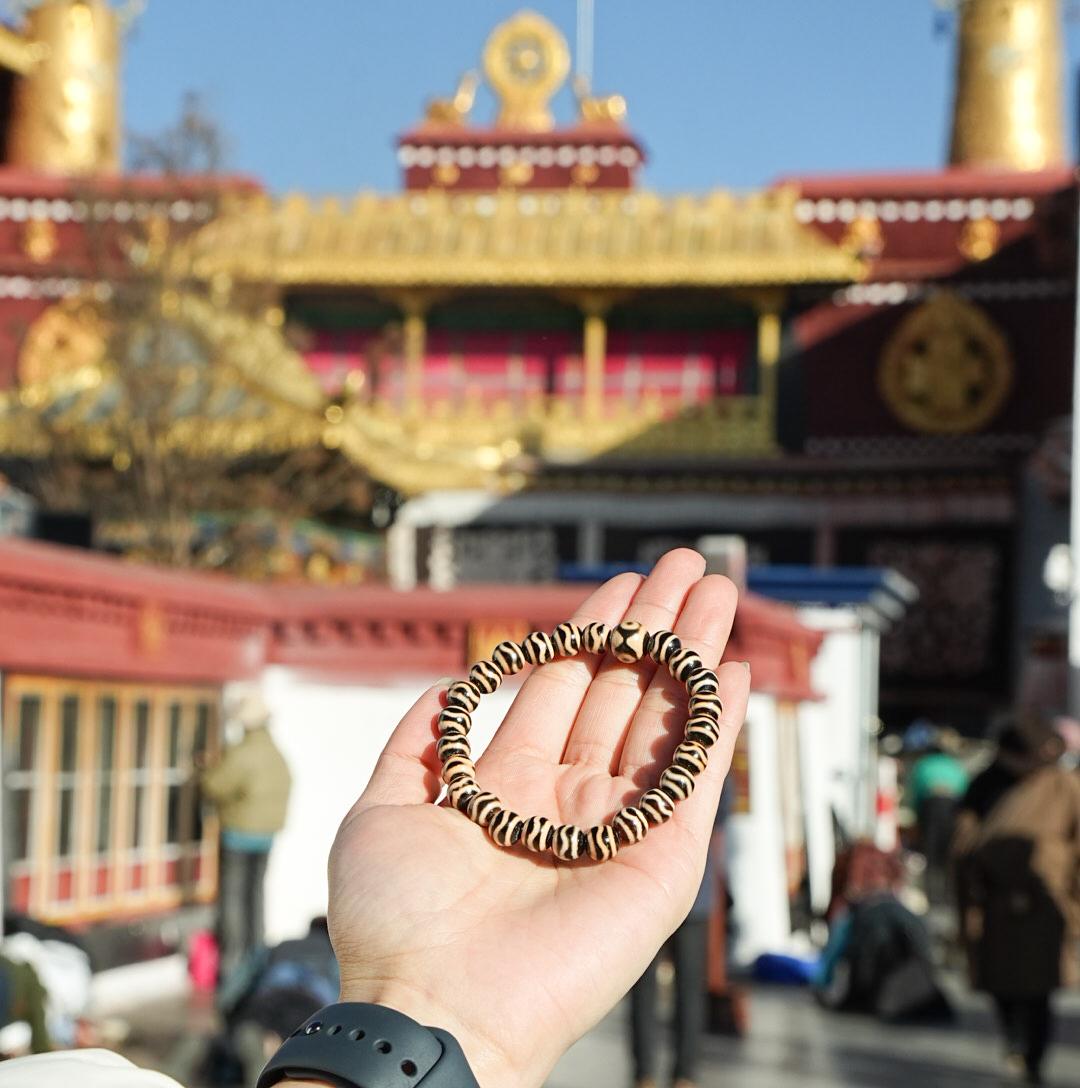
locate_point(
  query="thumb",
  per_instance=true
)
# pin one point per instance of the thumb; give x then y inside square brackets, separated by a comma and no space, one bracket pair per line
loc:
[407,772]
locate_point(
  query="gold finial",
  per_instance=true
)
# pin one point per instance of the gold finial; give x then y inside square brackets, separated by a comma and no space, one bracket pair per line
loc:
[454,111]
[526,60]
[66,113]
[609,109]
[1008,111]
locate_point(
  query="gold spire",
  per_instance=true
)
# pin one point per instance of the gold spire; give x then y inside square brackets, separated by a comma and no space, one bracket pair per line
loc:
[66,114]
[1008,111]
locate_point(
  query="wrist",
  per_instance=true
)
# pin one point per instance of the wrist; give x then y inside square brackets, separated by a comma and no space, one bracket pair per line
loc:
[489,1064]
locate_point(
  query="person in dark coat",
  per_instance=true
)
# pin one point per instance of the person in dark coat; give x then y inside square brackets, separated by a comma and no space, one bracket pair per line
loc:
[1018,881]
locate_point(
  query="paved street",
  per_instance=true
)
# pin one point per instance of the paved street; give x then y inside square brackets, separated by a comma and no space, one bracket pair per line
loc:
[793,1043]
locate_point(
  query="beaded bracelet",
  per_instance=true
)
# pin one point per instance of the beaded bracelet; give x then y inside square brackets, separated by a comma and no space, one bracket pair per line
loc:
[628,642]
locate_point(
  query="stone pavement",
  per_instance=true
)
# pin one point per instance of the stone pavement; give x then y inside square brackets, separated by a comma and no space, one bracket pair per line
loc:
[794,1044]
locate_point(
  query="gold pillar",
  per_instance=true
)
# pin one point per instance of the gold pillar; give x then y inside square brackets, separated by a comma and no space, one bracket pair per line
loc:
[1008,110]
[66,114]
[594,356]
[769,339]
[414,346]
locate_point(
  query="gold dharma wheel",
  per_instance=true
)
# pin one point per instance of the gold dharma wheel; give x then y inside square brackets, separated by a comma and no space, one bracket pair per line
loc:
[947,368]
[526,61]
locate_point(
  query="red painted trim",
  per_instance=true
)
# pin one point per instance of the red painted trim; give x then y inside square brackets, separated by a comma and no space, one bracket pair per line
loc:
[933,183]
[76,613]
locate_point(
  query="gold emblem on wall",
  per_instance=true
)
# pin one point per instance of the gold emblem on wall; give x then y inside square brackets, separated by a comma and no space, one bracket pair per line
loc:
[40,240]
[66,338]
[526,60]
[947,368]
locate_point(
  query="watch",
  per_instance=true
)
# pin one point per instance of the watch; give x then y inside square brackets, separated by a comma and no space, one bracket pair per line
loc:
[354,1045]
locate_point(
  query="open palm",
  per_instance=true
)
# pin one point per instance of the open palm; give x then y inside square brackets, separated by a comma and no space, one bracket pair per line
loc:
[518,954]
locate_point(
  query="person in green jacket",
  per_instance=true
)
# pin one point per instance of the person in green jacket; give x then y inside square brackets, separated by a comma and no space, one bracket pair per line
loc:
[249,786]
[937,782]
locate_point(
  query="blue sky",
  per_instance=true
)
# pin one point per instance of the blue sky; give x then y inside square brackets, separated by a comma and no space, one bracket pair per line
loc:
[723,92]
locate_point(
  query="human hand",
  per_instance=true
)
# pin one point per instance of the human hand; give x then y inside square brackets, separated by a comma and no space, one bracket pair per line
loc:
[516,954]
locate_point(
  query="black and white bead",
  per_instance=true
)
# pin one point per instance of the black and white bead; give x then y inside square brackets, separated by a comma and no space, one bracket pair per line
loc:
[566,639]
[452,744]
[453,719]
[482,808]
[657,806]
[662,645]
[702,682]
[538,648]
[569,843]
[485,677]
[628,641]
[631,825]
[594,637]
[683,663]
[691,756]
[600,842]
[455,767]
[538,834]
[702,730]
[505,827]
[508,657]
[677,783]
[709,705]
[461,793]
[461,693]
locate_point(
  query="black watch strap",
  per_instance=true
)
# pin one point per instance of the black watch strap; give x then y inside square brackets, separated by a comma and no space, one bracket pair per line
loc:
[353,1045]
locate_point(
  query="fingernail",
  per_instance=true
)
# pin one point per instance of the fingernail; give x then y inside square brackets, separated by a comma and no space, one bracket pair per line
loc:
[444,682]
[746,665]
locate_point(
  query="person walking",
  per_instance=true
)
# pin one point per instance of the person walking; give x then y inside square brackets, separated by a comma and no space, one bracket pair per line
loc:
[689,947]
[249,786]
[1018,879]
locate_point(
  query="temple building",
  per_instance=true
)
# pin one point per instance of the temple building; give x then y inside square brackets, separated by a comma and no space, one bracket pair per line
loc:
[526,367]
[555,368]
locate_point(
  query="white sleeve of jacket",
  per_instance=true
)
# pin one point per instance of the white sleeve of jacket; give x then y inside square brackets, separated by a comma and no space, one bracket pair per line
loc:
[82,1068]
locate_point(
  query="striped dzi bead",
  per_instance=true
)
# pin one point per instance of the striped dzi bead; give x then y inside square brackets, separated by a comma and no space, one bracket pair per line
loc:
[461,693]
[709,705]
[505,827]
[538,833]
[566,639]
[461,793]
[538,648]
[662,645]
[628,641]
[452,744]
[656,805]
[703,730]
[482,808]
[485,677]
[677,783]
[630,825]
[684,663]
[600,842]
[508,657]
[458,767]
[691,756]
[702,682]
[569,843]
[594,637]
[453,719]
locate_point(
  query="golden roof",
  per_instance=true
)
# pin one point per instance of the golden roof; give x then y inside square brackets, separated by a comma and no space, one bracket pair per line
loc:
[565,238]
[238,389]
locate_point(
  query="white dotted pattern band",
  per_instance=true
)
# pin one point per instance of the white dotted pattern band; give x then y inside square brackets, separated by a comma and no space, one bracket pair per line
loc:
[628,642]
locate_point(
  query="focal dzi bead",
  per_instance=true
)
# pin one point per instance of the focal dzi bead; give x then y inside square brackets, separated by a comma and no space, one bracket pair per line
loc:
[628,642]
